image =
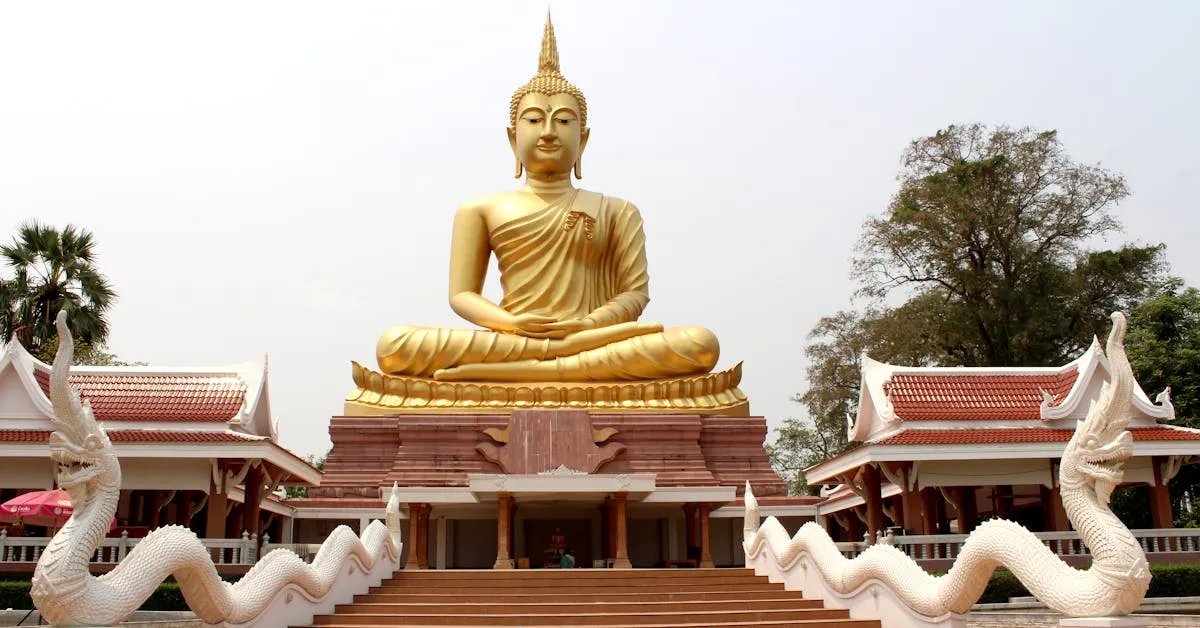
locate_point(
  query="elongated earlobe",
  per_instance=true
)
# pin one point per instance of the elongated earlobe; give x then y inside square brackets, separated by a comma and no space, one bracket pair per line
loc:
[520,169]
[579,168]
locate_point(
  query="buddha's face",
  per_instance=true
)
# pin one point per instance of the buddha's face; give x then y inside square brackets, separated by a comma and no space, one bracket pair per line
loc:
[548,137]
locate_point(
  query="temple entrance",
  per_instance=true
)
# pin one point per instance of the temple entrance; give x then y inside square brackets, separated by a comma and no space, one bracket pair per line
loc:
[547,539]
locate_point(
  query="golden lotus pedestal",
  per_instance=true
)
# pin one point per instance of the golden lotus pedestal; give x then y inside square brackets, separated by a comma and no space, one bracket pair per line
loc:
[380,394]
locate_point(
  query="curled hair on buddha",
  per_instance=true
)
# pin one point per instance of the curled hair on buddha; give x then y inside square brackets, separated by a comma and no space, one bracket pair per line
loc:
[548,80]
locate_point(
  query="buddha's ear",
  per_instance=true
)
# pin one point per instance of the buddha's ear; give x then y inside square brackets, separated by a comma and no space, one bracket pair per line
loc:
[584,133]
[519,169]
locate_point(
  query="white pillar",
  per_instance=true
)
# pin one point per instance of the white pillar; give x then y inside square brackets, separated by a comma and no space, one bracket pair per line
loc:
[363,522]
[289,529]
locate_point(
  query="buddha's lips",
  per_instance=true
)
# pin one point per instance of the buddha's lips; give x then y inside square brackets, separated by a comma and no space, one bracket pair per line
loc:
[548,148]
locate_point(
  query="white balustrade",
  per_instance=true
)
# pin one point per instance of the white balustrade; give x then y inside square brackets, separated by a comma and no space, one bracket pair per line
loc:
[27,549]
[947,546]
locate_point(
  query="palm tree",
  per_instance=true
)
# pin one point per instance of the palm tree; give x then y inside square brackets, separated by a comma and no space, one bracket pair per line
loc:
[53,270]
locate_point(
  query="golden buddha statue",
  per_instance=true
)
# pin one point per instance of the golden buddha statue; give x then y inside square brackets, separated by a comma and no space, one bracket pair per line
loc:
[573,271]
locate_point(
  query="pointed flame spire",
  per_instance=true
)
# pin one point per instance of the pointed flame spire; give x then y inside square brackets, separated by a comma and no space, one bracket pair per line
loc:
[549,79]
[548,59]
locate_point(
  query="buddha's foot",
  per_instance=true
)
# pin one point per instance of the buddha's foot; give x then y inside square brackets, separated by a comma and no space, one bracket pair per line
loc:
[711,393]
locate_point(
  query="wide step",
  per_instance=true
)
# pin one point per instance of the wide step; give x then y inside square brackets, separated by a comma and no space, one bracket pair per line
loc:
[662,598]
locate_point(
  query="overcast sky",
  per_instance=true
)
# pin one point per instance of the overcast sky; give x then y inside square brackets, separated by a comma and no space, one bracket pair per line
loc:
[281,177]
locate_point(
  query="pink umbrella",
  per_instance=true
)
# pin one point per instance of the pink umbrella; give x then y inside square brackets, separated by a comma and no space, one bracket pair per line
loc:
[39,508]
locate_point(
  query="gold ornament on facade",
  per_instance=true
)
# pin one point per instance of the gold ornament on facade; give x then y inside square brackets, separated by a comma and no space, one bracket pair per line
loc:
[574,278]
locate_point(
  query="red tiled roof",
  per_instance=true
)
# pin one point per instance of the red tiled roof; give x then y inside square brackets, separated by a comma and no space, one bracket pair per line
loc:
[136,436]
[1021,435]
[967,397]
[138,397]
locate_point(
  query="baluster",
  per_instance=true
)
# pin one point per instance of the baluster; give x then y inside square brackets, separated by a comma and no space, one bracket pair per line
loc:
[1158,543]
[3,545]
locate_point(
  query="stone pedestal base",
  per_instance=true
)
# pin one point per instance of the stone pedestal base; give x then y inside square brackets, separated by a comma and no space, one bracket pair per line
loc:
[1122,622]
[504,564]
[622,563]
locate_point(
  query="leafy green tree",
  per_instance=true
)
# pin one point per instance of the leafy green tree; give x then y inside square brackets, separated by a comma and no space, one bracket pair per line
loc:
[1164,348]
[84,354]
[985,242]
[980,259]
[293,492]
[53,270]
[835,350]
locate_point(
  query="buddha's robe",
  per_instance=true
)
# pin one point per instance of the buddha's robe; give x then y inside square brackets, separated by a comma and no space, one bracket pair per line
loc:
[583,255]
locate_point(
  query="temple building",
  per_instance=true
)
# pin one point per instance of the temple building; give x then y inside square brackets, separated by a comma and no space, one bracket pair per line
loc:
[555,419]
[945,448]
[198,446]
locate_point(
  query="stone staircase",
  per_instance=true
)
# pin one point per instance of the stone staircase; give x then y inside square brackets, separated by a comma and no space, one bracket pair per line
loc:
[664,598]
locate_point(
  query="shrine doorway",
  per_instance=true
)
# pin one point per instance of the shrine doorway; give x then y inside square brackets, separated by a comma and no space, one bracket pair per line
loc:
[545,539]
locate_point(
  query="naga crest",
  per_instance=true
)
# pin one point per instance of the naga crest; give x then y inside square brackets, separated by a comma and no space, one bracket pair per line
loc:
[79,445]
[1101,444]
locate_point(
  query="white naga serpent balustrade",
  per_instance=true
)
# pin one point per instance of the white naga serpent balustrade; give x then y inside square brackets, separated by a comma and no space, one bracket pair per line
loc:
[1092,466]
[280,589]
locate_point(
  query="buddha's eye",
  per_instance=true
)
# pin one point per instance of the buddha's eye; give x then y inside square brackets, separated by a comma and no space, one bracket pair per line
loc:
[534,120]
[564,121]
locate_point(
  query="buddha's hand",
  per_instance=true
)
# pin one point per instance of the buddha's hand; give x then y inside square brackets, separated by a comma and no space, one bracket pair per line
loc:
[536,326]
[570,326]
[531,325]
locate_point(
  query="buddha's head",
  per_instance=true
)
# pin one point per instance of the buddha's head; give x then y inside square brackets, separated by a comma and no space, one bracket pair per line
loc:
[548,118]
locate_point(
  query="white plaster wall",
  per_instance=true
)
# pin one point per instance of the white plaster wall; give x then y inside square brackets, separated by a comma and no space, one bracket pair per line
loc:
[14,399]
[32,473]
[168,474]
[983,472]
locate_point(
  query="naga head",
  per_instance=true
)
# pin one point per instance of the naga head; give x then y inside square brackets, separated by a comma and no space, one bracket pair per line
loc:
[79,446]
[1097,451]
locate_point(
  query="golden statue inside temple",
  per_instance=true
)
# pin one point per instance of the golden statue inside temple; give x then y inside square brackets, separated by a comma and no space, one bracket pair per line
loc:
[574,277]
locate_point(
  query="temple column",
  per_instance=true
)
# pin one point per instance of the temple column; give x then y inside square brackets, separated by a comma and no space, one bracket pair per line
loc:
[968,511]
[156,504]
[913,512]
[503,520]
[423,545]
[214,521]
[1002,501]
[254,496]
[705,538]
[621,560]
[929,511]
[689,518]
[1054,518]
[898,510]
[872,488]
[414,538]
[1160,498]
